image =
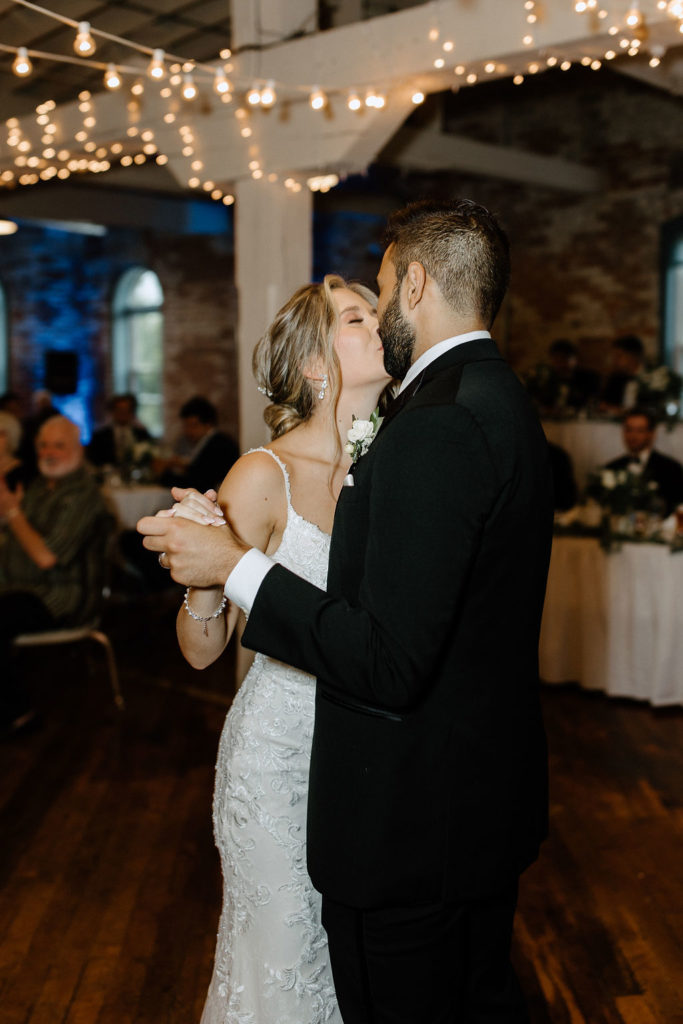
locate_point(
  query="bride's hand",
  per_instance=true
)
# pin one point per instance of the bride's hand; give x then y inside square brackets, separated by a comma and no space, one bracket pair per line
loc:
[198,508]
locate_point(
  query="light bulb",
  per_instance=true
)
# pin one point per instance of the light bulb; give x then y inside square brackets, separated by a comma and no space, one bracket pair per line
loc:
[112,79]
[220,82]
[418,97]
[268,95]
[156,67]
[374,99]
[21,65]
[84,44]
[317,99]
[189,88]
[254,96]
[634,17]
[354,101]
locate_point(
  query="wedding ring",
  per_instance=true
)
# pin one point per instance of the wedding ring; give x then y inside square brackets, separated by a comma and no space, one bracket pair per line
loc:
[161,560]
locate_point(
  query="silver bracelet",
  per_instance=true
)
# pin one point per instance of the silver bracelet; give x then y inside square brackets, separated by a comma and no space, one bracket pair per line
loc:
[203,618]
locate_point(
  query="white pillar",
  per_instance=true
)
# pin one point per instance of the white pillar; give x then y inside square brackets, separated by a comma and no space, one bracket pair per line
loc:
[273,257]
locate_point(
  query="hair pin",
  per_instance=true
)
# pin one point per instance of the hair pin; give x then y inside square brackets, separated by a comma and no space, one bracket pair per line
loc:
[264,391]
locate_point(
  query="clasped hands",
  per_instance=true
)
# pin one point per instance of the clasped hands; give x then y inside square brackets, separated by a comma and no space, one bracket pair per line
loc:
[196,553]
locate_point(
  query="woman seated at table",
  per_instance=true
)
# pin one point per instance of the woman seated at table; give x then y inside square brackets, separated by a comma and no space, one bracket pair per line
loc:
[11,470]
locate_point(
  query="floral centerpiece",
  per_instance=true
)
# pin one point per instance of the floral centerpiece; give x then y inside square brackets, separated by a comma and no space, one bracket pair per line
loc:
[621,491]
[627,500]
[659,389]
[138,463]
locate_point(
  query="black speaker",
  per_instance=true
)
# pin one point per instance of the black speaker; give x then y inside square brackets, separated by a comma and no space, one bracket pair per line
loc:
[61,371]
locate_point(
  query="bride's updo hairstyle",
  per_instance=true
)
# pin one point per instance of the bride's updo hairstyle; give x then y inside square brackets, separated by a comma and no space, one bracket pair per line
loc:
[301,335]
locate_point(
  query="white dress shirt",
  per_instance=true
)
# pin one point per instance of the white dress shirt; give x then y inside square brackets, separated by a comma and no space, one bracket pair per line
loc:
[241,586]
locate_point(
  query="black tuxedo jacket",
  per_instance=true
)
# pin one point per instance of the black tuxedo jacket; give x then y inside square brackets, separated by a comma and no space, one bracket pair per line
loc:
[102,447]
[428,768]
[667,473]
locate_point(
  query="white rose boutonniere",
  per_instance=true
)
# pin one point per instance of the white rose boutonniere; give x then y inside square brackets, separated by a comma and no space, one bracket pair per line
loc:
[361,435]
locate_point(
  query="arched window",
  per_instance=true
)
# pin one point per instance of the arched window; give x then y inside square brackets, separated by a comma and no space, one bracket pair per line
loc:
[138,343]
[4,343]
[673,296]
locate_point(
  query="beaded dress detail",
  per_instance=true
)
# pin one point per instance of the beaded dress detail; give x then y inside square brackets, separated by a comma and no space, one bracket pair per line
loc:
[272,964]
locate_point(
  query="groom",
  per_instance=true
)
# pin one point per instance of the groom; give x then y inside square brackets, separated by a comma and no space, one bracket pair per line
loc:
[428,771]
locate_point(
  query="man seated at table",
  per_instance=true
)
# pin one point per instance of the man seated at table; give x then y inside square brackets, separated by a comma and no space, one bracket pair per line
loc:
[113,444]
[638,428]
[213,451]
[621,388]
[561,386]
[46,535]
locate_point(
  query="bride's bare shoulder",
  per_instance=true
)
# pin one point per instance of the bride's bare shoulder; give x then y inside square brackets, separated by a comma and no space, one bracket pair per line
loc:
[255,477]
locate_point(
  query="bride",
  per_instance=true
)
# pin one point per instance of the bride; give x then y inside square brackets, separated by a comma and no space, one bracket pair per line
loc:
[321,364]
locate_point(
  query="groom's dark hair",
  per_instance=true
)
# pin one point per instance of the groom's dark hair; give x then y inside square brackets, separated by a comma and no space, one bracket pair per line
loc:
[460,245]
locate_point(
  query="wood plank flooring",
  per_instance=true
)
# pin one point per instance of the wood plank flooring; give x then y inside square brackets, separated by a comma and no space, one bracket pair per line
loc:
[110,884]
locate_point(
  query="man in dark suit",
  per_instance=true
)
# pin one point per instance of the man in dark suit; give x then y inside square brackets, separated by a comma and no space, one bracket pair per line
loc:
[622,385]
[212,451]
[113,444]
[428,771]
[639,427]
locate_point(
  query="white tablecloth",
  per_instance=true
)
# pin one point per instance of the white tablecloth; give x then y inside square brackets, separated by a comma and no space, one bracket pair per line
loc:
[131,503]
[614,622]
[592,443]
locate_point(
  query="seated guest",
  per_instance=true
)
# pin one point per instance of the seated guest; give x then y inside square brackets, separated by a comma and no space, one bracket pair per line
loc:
[213,452]
[10,401]
[621,388]
[44,540]
[639,427]
[562,385]
[564,484]
[112,444]
[10,436]
[41,409]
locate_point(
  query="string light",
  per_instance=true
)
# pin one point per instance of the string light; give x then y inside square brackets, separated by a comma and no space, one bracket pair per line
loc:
[21,65]
[417,98]
[354,101]
[254,97]
[375,99]
[317,99]
[189,88]
[84,44]
[634,16]
[220,83]
[156,68]
[268,95]
[112,79]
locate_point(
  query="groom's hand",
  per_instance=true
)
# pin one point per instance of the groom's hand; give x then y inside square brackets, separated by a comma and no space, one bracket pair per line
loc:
[197,556]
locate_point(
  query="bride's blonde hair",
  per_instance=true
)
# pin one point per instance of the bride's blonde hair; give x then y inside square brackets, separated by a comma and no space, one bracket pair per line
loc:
[301,336]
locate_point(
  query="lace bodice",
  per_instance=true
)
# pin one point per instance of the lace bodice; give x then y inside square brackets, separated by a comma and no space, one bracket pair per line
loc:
[272,964]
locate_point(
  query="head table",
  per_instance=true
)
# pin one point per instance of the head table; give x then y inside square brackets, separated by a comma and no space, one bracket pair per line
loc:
[612,621]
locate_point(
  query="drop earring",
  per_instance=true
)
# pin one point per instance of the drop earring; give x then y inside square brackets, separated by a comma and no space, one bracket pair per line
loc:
[323,387]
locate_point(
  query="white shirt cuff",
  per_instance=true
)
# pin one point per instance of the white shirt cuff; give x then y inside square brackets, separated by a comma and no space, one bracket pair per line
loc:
[241,586]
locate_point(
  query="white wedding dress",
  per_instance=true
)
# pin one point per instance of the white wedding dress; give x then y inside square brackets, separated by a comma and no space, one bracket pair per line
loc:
[272,964]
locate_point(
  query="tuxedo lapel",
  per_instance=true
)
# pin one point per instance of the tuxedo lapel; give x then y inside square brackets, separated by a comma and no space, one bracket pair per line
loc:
[469,351]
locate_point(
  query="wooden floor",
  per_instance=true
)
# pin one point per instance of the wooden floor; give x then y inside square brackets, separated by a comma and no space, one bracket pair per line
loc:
[109,882]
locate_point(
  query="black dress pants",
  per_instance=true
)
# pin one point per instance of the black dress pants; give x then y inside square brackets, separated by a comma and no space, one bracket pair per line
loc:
[20,612]
[432,964]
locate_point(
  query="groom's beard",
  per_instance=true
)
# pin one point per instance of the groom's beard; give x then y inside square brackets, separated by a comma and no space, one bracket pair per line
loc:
[398,339]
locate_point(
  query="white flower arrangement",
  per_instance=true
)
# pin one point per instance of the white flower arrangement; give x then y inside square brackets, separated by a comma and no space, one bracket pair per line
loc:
[361,435]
